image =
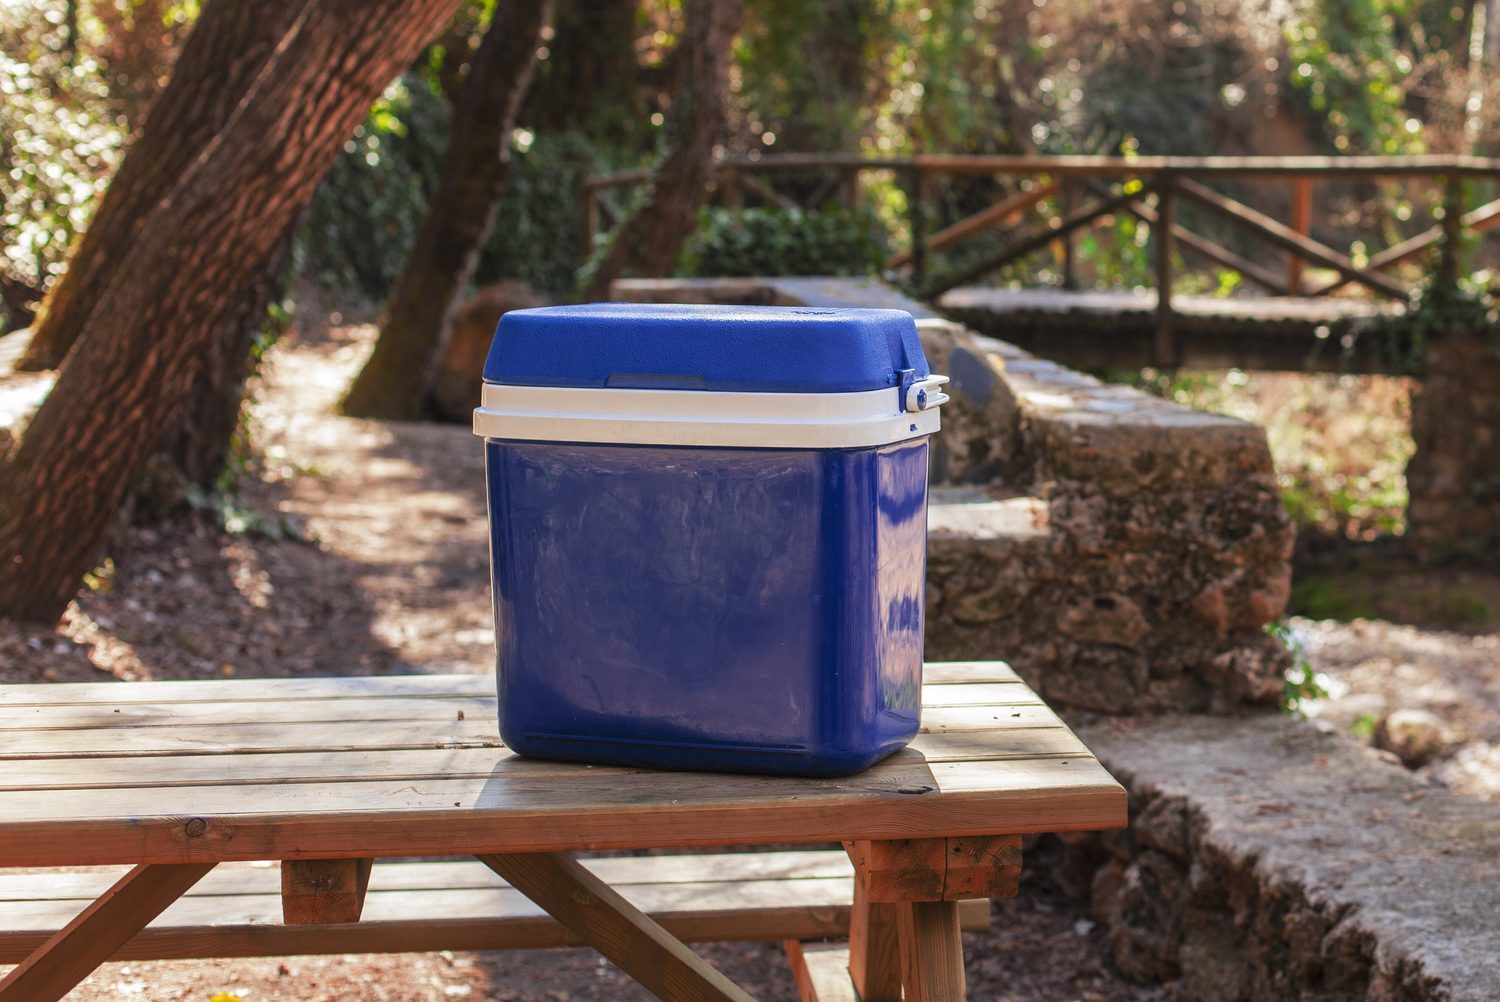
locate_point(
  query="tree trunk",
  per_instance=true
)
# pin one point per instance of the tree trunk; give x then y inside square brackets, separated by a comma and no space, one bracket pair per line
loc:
[221,61]
[178,282]
[419,315]
[590,82]
[649,241]
[196,445]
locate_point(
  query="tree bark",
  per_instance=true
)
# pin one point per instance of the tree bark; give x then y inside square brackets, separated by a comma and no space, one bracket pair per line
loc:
[221,61]
[649,241]
[441,263]
[178,282]
[197,443]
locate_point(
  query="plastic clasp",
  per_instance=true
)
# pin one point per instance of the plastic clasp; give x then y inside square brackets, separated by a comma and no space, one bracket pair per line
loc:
[919,395]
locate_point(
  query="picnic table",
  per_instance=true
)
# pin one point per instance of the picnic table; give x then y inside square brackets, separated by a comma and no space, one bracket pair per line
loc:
[147,787]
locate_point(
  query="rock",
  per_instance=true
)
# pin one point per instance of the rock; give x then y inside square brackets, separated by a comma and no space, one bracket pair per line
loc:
[1416,737]
[455,386]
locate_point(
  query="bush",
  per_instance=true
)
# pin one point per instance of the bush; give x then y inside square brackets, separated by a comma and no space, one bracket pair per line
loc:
[536,230]
[365,214]
[744,242]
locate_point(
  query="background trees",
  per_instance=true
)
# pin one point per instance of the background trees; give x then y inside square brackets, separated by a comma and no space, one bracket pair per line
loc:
[151,309]
[190,260]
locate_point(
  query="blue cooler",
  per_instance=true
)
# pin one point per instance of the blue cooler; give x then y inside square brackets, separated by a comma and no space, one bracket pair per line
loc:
[708,534]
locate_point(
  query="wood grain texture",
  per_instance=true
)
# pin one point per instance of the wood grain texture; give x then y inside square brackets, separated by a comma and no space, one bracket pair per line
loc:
[337,768]
[457,905]
[609,923]
[932,956]
[57,965]
[323,891]
[950,869]
[821,971]
[875,948]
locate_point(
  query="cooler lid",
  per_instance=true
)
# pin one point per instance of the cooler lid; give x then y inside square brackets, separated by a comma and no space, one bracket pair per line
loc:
[771,349]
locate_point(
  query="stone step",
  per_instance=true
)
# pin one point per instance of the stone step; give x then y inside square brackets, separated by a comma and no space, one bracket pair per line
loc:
[1271,859]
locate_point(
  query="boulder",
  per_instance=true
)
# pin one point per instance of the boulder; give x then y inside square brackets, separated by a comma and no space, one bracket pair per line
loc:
[454,392]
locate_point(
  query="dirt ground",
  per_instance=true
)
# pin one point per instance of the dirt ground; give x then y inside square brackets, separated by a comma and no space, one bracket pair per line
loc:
[360,548]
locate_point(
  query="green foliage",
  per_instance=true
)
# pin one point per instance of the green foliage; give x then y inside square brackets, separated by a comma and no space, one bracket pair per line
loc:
[365,215]
[536,230]
[59,140]
[829,241]
[1301,683]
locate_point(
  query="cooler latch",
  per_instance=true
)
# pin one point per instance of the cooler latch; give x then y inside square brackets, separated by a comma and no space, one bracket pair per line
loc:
[920,394]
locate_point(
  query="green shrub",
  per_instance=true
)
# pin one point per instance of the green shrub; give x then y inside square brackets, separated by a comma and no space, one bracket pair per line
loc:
[536,230]
[365,214]
[743,242]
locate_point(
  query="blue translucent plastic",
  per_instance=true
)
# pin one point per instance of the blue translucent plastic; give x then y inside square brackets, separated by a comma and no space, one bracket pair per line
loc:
[674,347]
[746,610]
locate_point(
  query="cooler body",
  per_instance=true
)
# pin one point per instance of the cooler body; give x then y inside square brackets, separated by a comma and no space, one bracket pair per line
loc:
[726,609]
[708,534]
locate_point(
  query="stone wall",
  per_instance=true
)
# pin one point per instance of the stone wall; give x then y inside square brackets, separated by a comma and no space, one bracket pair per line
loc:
[1454,477]
[1121,552]
[1157,549]
[1271,861]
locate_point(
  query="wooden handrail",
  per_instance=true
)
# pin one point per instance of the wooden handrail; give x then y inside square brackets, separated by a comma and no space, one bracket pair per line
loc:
[1171,179]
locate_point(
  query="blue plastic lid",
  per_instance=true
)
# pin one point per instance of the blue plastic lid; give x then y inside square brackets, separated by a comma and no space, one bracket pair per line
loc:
[767,349]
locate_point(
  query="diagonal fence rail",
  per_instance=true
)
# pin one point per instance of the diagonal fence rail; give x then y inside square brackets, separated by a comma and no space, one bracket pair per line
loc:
[1060,197]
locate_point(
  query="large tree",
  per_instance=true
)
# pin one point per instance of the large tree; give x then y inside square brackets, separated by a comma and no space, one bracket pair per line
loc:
[419,315]
[649,241]
[219,64]
[175,284]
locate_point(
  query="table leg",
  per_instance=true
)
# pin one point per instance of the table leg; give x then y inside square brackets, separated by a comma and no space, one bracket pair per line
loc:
[874,948]
[932,952]
[55,967]
[603,919]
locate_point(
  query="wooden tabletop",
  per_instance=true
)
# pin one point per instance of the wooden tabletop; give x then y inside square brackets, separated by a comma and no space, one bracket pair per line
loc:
[166,772]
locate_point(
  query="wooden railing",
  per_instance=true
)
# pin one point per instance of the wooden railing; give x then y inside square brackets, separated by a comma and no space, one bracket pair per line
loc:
[1079,192]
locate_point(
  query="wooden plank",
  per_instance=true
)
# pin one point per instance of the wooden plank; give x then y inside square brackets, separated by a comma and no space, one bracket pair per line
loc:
[560,789]
[1164,349]
[323,891]
[252,738]
[875,948]
[980,221]
[1284,237]
[1027,244]
[950,710]
[280,690]
[1301,222]
[96,716]
[938,869]
[491,919]
[1478,220]
[241,690]
[1011,739]
[262,878]
[965,672]
[932,955]
[898,798]
[613,926]
[56,966]
[821,971]
[766,193]
[1207,248]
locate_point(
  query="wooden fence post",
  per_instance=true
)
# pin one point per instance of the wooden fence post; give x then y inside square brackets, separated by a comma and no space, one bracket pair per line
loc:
[1302,223]
[1065,205]
[1451,254]
[1164,346]
[917,213]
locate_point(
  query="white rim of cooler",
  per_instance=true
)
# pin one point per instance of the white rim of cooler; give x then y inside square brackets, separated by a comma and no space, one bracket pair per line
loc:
[706,418]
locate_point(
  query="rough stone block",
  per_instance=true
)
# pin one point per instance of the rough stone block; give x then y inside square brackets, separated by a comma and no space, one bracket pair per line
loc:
[1270,860]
